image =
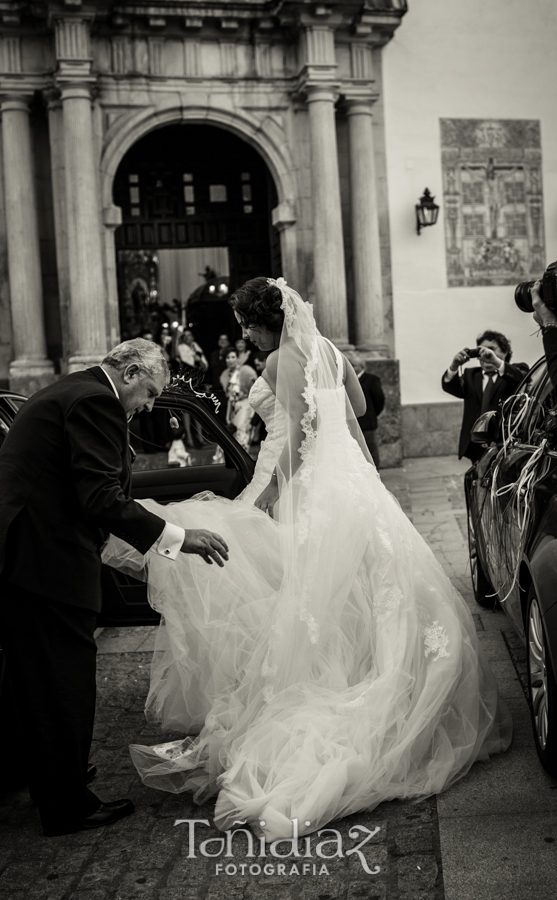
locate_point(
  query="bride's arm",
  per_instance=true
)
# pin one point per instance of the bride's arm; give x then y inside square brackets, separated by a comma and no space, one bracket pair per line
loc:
[354,390]
[289,392]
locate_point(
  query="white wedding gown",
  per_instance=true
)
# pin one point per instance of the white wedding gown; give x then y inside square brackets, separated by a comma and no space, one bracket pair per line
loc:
[329,666]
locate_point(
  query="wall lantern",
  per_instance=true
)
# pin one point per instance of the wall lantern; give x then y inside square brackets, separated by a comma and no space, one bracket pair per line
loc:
[426,211]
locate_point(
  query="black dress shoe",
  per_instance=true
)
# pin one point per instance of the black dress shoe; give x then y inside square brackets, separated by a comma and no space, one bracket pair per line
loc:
[108,813]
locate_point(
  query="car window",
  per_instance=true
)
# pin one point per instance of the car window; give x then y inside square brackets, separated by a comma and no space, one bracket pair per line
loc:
[158,445]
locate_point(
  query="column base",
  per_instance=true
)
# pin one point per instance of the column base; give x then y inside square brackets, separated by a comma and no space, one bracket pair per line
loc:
[371,350]
[79,362]
[27,376]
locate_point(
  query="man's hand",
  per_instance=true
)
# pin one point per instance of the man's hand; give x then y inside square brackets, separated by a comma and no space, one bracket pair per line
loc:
[542,313]
[459,360]
[488,356]
[268,497]
[208,545]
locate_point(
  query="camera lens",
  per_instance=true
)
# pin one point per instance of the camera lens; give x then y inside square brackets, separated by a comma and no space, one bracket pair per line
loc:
[522,296]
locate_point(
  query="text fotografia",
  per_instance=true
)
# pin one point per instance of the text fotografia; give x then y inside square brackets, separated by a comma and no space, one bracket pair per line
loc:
[294,849]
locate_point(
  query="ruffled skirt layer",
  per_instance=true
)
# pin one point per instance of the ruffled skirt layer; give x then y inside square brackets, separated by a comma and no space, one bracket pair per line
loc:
[314,677]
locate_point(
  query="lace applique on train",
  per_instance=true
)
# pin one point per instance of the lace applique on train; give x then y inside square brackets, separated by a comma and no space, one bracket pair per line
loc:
[434,635]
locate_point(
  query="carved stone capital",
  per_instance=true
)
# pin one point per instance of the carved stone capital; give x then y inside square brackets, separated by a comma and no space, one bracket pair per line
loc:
[76,90]
[358,100]
[284,215]
[112,216]
[313,87]
[15,101]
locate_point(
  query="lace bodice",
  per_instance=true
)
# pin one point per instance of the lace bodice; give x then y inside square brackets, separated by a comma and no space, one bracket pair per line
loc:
[263,402]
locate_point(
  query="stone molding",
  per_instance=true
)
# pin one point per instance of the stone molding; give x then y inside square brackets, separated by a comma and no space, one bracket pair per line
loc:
[263,133]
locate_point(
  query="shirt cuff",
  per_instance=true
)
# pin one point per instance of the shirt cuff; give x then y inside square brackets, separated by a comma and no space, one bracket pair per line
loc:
[448,376]
[501,371]
[170,541]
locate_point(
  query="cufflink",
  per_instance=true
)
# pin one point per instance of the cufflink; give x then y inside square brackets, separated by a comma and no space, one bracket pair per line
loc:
[167,551]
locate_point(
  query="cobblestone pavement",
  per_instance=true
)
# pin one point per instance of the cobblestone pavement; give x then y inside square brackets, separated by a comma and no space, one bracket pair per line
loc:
[414,850]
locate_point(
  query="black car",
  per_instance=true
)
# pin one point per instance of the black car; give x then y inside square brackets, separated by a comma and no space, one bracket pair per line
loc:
[511,497]
[214,461]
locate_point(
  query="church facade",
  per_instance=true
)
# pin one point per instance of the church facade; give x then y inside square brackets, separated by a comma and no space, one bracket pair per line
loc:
[133,128]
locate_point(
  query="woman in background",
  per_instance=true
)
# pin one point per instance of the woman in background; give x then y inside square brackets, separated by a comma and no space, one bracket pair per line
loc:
[237,380]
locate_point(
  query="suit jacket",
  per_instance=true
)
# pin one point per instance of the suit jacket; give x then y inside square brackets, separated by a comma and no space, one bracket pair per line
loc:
[65,474]
[375,399]
[468,387]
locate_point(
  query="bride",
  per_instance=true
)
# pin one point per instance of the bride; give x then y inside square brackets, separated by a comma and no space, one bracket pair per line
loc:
[330,665]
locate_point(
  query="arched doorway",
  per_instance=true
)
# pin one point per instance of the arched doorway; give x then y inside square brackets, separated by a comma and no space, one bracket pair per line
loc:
[196,204]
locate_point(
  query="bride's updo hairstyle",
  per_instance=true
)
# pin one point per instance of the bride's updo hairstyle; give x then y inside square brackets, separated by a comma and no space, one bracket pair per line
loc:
[258,304]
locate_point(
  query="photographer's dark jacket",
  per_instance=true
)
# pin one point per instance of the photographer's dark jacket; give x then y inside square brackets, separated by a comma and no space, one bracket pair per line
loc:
[65,473]
[468,387]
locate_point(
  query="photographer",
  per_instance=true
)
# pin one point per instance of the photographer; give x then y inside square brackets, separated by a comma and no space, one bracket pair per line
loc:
[482,387]
[547,320]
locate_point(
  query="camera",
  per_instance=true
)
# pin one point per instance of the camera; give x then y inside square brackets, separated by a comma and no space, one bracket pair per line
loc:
[473,352]
[548,291]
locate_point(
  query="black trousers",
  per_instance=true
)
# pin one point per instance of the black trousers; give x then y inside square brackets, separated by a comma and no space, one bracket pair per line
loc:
[50,653]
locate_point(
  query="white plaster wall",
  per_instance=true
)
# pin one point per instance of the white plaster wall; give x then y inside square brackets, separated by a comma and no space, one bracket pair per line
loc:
[454,59]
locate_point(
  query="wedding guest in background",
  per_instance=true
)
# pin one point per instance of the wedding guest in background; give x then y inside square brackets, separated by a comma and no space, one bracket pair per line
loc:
[217,363]
[236,381]
[243,351]
[188,351]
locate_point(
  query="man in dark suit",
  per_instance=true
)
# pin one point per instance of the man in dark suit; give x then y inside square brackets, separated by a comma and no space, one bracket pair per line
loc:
[375,400]
[482,387]
[64,487]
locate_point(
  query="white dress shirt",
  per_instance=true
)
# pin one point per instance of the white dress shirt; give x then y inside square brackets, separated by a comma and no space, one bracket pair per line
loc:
[172,537]
[449,375]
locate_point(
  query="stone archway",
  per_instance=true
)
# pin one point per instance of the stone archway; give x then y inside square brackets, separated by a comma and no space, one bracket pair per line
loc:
[264,135]
[195,199]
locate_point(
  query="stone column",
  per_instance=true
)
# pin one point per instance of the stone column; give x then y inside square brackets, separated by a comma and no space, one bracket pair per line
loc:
[284,220]
[31,369]
[87,311]
[369,314]
[328,246]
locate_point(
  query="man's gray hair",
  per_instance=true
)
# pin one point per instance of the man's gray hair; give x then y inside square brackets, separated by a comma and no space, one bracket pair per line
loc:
[146,355]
